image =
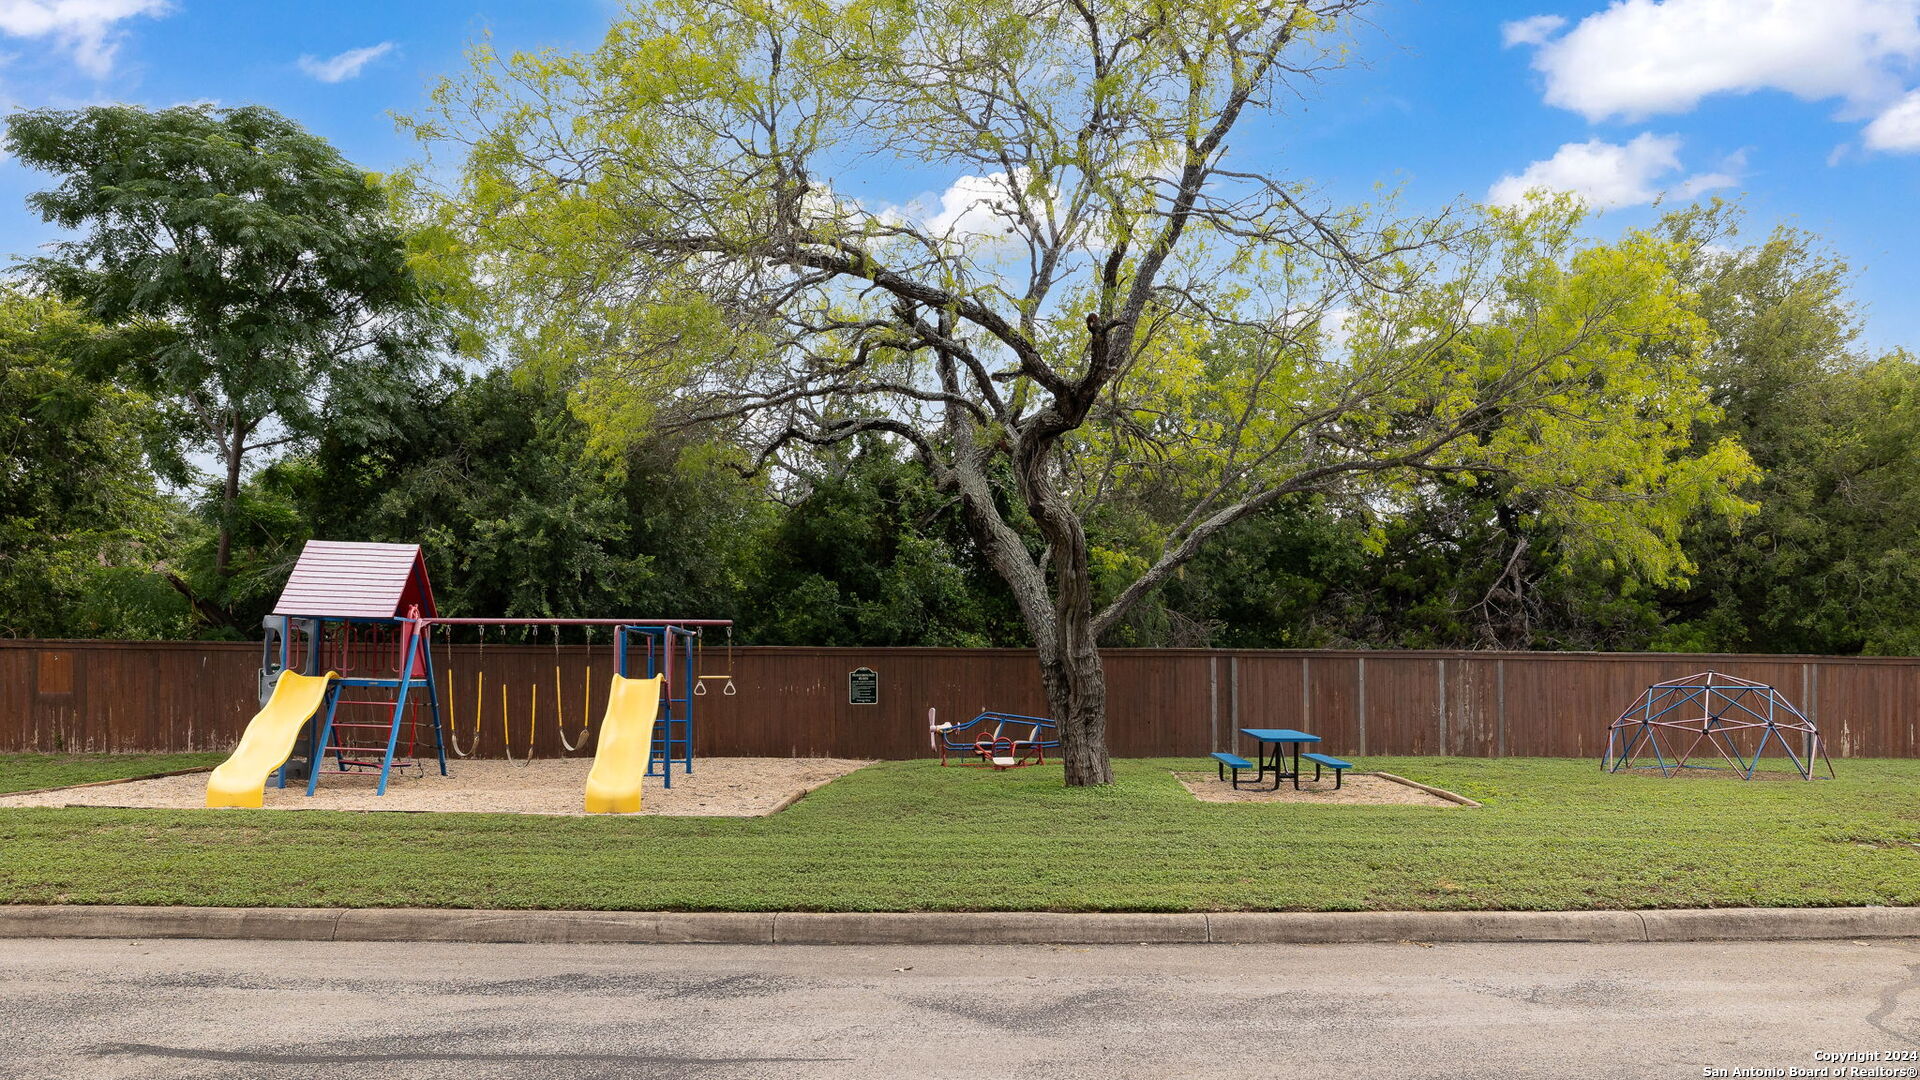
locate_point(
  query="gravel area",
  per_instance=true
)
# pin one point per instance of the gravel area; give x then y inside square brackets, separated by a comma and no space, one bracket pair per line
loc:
[1359,789]
[718,787]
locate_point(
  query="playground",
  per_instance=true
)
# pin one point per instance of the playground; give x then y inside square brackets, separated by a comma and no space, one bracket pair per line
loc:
[356,628]
[569,778]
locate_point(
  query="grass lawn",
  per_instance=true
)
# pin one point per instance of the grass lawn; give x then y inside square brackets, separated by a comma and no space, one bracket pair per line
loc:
[31,772]
[1554,834]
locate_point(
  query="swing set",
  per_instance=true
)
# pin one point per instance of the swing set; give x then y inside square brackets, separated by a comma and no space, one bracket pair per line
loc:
[673,650]
[355,630]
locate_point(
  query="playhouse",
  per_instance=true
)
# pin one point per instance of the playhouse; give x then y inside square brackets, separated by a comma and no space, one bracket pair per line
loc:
[350,685]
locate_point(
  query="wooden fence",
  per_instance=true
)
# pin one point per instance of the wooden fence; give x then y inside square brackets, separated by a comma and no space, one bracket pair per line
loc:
[168,696]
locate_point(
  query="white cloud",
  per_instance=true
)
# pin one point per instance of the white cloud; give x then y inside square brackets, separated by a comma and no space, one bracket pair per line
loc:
[346,65]
[1336,328]
[1701,183]
[1607,175]
[1732,167]
[974,206]
[1533,30]
[1897,129]
[1642,57]
[83,27]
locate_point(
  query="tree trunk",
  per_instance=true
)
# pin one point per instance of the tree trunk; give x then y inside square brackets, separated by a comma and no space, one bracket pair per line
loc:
[1061,623]
[207,609]
[1076,682]
[223,553]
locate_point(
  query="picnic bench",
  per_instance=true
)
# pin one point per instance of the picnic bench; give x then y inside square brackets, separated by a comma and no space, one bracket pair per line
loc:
[1223,762]
[1280,739]
[1339,768]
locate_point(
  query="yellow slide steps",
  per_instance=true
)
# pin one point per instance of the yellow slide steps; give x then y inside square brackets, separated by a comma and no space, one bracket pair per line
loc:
[241,780]
[626,736]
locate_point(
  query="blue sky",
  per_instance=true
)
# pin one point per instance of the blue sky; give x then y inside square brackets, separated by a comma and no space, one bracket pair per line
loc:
[1808,110]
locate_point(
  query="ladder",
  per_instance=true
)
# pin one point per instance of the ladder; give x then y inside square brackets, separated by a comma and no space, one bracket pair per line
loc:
[356,744]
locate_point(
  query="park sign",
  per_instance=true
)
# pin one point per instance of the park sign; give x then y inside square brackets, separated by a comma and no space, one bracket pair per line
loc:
[863,686]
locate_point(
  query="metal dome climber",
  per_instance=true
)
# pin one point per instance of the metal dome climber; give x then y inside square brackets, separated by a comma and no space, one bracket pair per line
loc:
[1723,711]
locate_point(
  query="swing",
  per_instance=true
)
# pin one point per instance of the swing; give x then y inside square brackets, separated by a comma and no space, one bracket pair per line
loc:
[533,723]
[559,706]
[506,728]
[506,733]
[479,696]
[700,645]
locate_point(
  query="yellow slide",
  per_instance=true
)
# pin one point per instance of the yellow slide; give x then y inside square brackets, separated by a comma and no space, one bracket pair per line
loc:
[241,780]
[626,735]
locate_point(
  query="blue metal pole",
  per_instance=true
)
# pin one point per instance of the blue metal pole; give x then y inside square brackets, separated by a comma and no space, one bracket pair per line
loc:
[399,708]
[320,746]
[665,672]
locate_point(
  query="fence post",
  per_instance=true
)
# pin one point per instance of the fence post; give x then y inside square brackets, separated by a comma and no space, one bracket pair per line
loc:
[1500,707]
[1810,695]
[1440,669]
[1233,695]
[1306,696]
[1360,705]
[1213,703]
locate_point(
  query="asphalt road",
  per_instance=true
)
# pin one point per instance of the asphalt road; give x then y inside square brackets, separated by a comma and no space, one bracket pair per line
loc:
[262,1011]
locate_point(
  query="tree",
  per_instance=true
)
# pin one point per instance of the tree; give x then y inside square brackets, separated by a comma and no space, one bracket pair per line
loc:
[1830,563]
[80,512]
[491,475]
[520,517]
[869,553]
[256,277]
[1131,314]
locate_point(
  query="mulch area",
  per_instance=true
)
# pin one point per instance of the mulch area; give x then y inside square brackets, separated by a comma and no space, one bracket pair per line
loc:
[1360,789]
[718,787]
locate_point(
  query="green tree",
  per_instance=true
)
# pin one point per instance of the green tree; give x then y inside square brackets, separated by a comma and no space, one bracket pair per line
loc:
[1133,316]
[256,278]
[1830,563]
[869,552]
[491,474]
[82,522]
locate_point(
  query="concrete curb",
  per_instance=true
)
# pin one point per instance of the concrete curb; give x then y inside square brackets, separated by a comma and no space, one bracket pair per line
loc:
[953,928]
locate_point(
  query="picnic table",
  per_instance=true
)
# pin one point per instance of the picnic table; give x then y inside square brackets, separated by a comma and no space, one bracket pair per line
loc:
[1279,739]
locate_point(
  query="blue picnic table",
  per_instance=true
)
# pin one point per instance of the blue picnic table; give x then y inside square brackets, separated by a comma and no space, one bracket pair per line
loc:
[1279,739]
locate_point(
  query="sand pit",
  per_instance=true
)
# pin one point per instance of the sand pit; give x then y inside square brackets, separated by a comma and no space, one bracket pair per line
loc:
[1360,789]
[718,787]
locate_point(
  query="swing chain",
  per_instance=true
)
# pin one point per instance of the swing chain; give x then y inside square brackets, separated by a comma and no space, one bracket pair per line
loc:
[700,682]
[559,709]
[479,695]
